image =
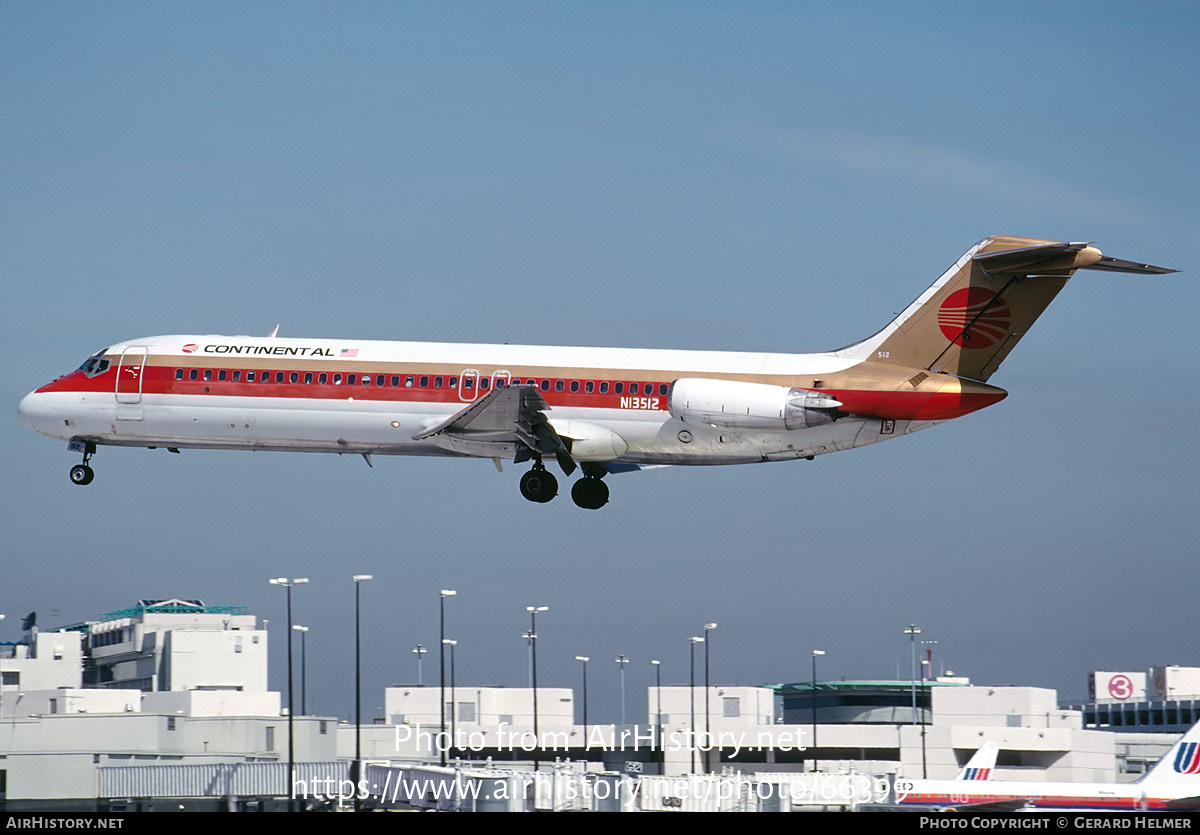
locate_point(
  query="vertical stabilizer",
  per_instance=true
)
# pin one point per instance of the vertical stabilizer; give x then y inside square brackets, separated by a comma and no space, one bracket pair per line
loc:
[1177,774]
[978,310]
[980,766]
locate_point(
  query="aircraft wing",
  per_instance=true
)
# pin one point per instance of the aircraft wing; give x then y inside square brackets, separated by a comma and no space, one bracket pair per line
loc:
[506,416]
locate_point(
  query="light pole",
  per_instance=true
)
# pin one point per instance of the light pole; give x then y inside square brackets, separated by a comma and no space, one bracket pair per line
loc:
[528,636]
[1,675]
[692,691]
[708,627]
[658,709]
[926,675]
[912,632]
[815,653]
[621,661]
[442,662]
[657,690]
[356,776]
[453,704]
[924,758]
[419,651]
[534,611]
[303,630]
[583,659]
[291,776]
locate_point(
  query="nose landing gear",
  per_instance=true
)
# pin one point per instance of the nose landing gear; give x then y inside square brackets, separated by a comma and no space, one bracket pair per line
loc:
[82,474]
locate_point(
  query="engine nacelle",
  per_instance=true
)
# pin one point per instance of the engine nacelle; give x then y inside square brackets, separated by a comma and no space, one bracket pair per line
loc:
[735,405]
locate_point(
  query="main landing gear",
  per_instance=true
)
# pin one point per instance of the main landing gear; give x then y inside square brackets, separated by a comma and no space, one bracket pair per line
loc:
[589,492]
[538,485]
[82,474]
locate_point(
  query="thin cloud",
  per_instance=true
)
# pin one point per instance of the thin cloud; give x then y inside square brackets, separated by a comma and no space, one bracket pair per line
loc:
[893,160]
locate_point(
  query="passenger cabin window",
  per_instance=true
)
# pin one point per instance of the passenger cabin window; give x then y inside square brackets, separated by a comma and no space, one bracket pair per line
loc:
[249,377]
[604,387]
[618,388]
[545,385]
[424,382]
[452,383]
[178,373]
[350,379]
[237,375]
[588,386]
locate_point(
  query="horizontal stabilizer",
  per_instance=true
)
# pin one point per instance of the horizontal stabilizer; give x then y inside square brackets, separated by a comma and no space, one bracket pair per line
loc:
[1032,259]
[1118,265]
[1056,257]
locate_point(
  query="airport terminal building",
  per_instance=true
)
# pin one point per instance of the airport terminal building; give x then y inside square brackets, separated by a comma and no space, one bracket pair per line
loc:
[165,705]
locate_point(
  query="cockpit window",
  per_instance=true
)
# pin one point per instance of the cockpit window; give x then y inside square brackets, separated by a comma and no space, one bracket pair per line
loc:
[95,365]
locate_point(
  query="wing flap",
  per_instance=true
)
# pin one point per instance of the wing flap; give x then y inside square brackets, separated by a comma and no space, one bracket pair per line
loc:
[502,417]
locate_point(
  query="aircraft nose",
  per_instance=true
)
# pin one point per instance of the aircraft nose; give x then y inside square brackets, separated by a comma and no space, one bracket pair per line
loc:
[25,409]
[35,412]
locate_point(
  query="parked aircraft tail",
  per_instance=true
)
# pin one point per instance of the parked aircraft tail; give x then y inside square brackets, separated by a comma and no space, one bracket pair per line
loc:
[980,766]
[1177,774]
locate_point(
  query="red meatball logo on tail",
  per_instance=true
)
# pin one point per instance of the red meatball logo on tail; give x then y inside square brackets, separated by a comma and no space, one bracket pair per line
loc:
[974,318]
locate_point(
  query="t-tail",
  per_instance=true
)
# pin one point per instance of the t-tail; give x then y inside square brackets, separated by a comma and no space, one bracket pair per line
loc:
[976,313]
[980,766]
[1177,774]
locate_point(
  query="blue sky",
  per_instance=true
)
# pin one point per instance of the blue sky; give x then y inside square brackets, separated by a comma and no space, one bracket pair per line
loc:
[764,176]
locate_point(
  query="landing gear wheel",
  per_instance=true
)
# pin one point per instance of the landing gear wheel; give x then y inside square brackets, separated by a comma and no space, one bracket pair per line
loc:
[82,474]
[590,493]
[537,485]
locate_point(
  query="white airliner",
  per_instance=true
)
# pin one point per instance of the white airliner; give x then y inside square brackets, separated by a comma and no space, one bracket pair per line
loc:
[1173,783]
[599,410]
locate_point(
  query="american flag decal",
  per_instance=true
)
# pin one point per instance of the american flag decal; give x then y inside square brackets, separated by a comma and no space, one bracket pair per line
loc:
[349,352]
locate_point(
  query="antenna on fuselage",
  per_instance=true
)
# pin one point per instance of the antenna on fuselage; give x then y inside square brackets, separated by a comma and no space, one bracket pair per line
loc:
[274,333]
